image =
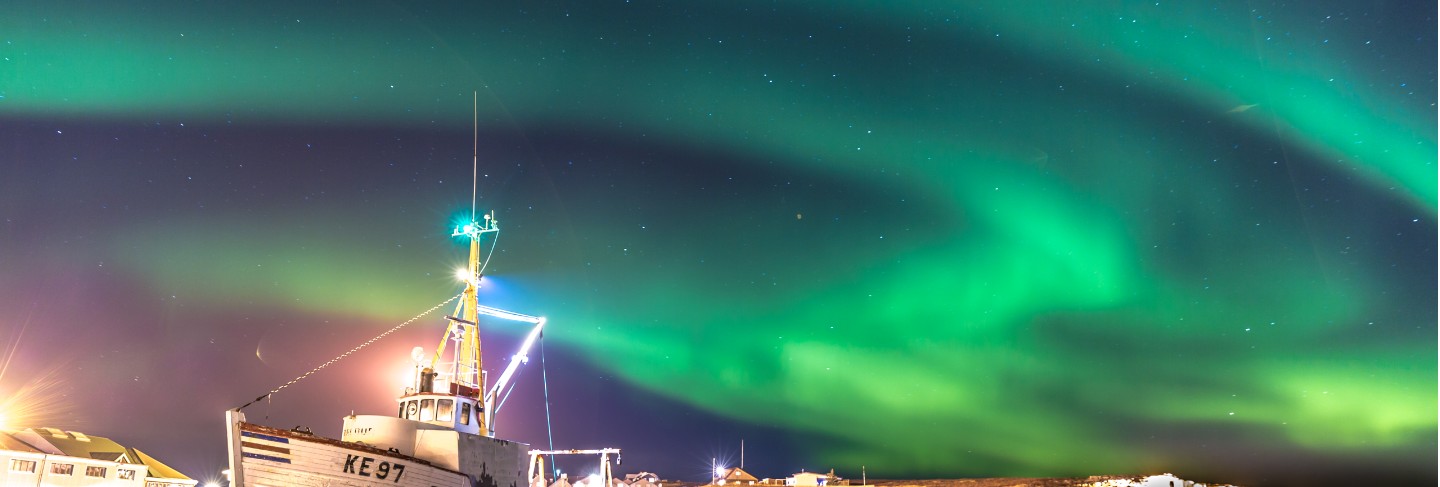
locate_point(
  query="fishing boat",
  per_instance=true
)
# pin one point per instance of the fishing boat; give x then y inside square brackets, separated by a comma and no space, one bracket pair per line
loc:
[442,433]
[443,430]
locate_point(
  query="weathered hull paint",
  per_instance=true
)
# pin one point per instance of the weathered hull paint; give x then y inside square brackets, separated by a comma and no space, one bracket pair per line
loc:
[274,458]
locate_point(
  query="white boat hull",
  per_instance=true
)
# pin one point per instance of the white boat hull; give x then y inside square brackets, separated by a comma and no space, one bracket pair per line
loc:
[268,457]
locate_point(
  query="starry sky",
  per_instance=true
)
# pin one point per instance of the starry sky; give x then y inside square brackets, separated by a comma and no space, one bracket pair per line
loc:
[932,239]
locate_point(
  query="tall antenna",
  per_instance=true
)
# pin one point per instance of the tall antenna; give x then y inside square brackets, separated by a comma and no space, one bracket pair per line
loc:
[475,148]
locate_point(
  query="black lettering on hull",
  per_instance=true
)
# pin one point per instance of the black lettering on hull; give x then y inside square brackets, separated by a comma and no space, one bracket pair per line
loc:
[382,470]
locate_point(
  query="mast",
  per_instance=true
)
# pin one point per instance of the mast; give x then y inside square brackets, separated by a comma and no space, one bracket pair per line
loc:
[467,377]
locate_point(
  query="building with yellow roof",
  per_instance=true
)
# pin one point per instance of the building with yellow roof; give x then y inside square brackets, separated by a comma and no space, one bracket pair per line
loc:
[53,457]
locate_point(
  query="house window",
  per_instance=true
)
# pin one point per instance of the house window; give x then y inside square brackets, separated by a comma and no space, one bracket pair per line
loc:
[18,465]
[62,469]
[445,409]
[126,474]
[464,412]
[94,471]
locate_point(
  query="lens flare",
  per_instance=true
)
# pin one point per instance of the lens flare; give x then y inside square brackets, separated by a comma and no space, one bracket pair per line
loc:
[34,402]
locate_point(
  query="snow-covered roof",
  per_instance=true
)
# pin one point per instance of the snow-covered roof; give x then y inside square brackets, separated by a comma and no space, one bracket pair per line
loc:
[52,441]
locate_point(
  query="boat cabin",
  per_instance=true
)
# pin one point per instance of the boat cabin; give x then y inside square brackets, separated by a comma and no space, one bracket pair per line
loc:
[460,413]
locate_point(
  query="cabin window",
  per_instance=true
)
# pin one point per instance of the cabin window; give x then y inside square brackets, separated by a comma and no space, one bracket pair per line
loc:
[125,474]
[445,410]
[62,468]
[18,465]
[427,409]
[410,410]
[94,471]
[401,412]
[464,412]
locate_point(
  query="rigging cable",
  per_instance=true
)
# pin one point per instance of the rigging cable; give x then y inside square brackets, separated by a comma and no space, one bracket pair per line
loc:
[353,350]
[545,385]
[494,242]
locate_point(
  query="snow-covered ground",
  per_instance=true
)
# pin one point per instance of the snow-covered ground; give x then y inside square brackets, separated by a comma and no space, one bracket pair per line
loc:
[1162,480]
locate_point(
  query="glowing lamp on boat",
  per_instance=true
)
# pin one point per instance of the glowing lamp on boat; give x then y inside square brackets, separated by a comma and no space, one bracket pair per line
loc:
[463,275]
[411,380]
[466,230]
[473,229]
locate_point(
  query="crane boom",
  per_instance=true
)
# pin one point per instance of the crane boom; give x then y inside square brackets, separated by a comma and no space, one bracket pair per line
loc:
[515,360]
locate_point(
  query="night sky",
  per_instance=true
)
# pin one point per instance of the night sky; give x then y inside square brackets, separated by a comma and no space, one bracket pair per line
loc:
[977,239]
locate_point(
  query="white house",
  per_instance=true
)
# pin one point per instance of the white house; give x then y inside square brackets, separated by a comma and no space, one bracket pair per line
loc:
[51,457]
[808,479]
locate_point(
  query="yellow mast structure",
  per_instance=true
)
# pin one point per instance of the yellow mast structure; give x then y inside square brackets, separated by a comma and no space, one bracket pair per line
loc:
[467,377]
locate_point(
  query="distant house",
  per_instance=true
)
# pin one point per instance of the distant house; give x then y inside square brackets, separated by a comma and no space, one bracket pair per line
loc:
[809,479]
[735,476]
[48,456]
[642,479]
[648,476]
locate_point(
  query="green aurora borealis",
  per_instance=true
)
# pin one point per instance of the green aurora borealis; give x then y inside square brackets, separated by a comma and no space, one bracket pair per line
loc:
[1059,238]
